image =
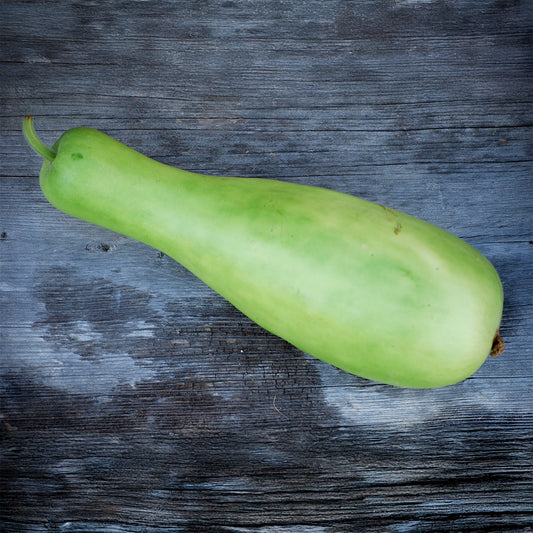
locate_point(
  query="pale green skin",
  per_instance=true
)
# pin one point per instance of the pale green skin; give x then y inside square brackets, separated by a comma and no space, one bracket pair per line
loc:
[368,289]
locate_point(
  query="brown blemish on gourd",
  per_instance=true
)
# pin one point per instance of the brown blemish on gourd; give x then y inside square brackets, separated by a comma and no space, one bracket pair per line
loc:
[391,216]
[387,210]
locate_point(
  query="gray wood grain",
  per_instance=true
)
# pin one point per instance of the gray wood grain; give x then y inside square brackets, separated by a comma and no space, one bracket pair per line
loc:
[132,397]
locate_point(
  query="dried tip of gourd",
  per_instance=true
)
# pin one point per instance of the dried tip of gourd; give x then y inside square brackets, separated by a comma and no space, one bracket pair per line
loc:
[497,345]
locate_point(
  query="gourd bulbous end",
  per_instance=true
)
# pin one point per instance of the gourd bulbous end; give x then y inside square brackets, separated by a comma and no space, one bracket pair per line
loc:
[34,141]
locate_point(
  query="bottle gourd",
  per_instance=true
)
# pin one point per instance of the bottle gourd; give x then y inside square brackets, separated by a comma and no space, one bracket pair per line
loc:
[373,291]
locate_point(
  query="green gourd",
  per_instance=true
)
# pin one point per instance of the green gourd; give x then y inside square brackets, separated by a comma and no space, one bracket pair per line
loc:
[369,289]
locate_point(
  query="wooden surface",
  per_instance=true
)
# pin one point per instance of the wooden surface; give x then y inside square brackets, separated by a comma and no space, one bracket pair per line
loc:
[133,398]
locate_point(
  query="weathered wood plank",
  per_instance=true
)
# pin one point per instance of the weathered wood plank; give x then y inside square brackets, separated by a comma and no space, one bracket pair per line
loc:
[133,398]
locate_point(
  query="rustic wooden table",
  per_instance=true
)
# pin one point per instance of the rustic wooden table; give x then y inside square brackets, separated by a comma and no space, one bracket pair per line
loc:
[132,397]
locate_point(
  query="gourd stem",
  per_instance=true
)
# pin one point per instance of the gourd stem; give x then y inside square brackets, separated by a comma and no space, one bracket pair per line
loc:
[497,345]
[34,141]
